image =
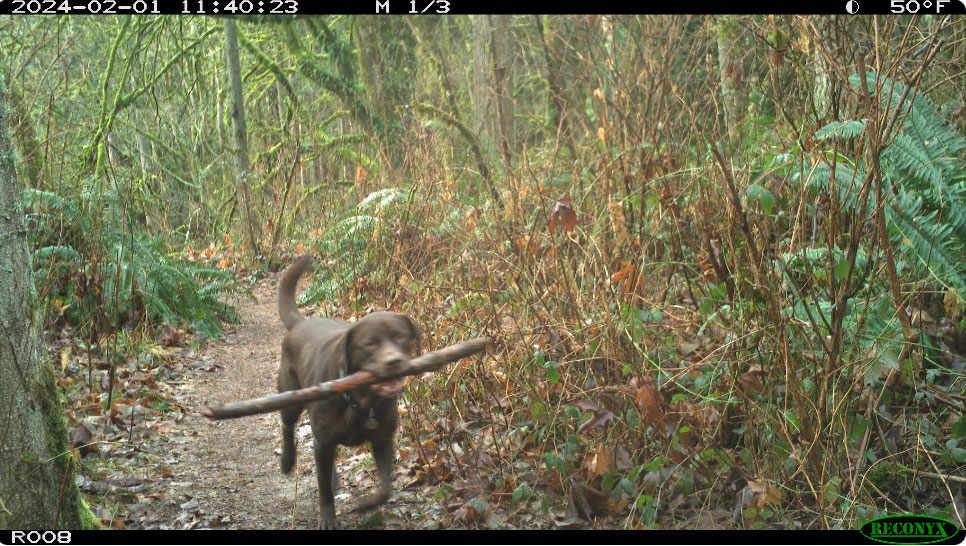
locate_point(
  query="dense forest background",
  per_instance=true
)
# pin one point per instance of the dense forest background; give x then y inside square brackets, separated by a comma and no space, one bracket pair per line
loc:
[722,259]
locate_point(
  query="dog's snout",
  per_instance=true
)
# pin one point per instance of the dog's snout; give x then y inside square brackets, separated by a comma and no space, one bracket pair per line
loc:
[395,362]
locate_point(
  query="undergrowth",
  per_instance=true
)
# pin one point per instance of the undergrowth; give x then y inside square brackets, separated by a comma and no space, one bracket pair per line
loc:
[97,272]
[668,374]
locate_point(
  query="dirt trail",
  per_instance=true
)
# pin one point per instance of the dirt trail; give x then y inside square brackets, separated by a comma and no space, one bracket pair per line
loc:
[226,474]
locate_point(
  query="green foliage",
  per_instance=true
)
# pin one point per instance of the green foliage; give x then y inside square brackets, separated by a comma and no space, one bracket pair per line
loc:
[924,179]
[90,258]
[841,129]
[350,241]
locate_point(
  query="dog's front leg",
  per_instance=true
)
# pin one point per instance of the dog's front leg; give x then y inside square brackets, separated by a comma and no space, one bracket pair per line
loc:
[325,473]
[382,453]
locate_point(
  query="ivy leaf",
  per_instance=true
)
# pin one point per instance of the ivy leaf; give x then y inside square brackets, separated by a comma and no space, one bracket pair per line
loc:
[957,453]
[553,371]
[521,493]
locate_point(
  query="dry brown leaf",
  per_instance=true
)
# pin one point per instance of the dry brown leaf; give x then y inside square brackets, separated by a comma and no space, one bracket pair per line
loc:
[764,494]
[751,380]
[588,503]
[564,214]
[953,304]
[712,520]
[601,417]
[650,402]
[599,462]
[81,438]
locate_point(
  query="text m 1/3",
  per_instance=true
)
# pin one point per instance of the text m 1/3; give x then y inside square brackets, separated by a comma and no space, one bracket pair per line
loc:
[431,6]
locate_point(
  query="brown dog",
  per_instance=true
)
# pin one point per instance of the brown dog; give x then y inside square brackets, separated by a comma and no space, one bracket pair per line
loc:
[323,349]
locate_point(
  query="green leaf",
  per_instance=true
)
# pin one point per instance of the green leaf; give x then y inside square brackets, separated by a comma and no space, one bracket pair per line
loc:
[959,428]
[764,197]
[957,453]
[841,269]
[553,371]
[521,493]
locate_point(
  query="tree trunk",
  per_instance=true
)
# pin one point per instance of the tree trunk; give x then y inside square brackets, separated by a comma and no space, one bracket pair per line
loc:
[240,133]
[821,81]
[492,77]
[484,118]
[501,49]
[557,103]
[36,481]
[731,69]
[30,148]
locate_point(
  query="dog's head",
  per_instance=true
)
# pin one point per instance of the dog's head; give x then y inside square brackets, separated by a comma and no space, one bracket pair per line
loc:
[380,343]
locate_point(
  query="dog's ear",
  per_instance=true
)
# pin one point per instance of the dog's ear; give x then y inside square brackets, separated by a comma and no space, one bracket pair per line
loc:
[417,335]
[346,345]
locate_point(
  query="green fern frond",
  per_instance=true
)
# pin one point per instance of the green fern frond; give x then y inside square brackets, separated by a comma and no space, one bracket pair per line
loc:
[379,199]
[841,129]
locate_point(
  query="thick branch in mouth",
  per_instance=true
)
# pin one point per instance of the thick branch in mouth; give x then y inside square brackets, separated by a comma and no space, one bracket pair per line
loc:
[391,387]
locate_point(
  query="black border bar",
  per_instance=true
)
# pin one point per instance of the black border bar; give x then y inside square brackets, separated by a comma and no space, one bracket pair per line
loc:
[268,9]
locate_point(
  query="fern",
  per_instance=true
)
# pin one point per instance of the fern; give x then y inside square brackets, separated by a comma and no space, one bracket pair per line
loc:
[351,241]
[125,273]
[380,199]
[925,181]
[925,240]
[841,129]
[926,154]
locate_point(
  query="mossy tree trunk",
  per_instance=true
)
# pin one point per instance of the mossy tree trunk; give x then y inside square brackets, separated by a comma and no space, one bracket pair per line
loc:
[31,149]
[37,486]
[732,70]
[492,81]
[240,133]
[388,72]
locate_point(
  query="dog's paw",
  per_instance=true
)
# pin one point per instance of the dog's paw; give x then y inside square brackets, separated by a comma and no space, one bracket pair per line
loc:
[372,501]
[328,523]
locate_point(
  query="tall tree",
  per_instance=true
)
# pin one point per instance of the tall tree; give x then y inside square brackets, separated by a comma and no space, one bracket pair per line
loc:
[732,70]
[387,70]
[37,488]
[492,80]
[240,133]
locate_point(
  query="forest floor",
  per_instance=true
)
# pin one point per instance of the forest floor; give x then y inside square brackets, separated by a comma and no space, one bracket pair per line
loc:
[225,474]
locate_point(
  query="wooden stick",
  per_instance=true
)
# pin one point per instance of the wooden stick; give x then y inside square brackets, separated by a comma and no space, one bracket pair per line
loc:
[428,362]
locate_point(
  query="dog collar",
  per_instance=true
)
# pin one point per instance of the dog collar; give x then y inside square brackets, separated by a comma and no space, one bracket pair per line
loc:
[371,422]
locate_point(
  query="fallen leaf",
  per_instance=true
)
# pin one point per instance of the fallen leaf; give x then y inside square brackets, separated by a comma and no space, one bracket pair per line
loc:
[650,402]
[751,380]
[765,494]
[82,438]
[588,503]
[600,461]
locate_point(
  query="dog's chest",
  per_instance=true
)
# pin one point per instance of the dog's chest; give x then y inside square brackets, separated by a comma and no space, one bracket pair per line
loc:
[354,426]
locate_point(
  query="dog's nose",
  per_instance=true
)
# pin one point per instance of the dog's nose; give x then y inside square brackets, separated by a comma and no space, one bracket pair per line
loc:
[396,362]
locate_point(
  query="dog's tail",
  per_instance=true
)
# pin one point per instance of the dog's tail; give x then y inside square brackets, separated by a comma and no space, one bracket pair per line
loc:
[287,310]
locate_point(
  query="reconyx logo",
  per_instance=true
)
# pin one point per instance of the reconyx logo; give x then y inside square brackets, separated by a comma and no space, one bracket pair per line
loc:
[908,529]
